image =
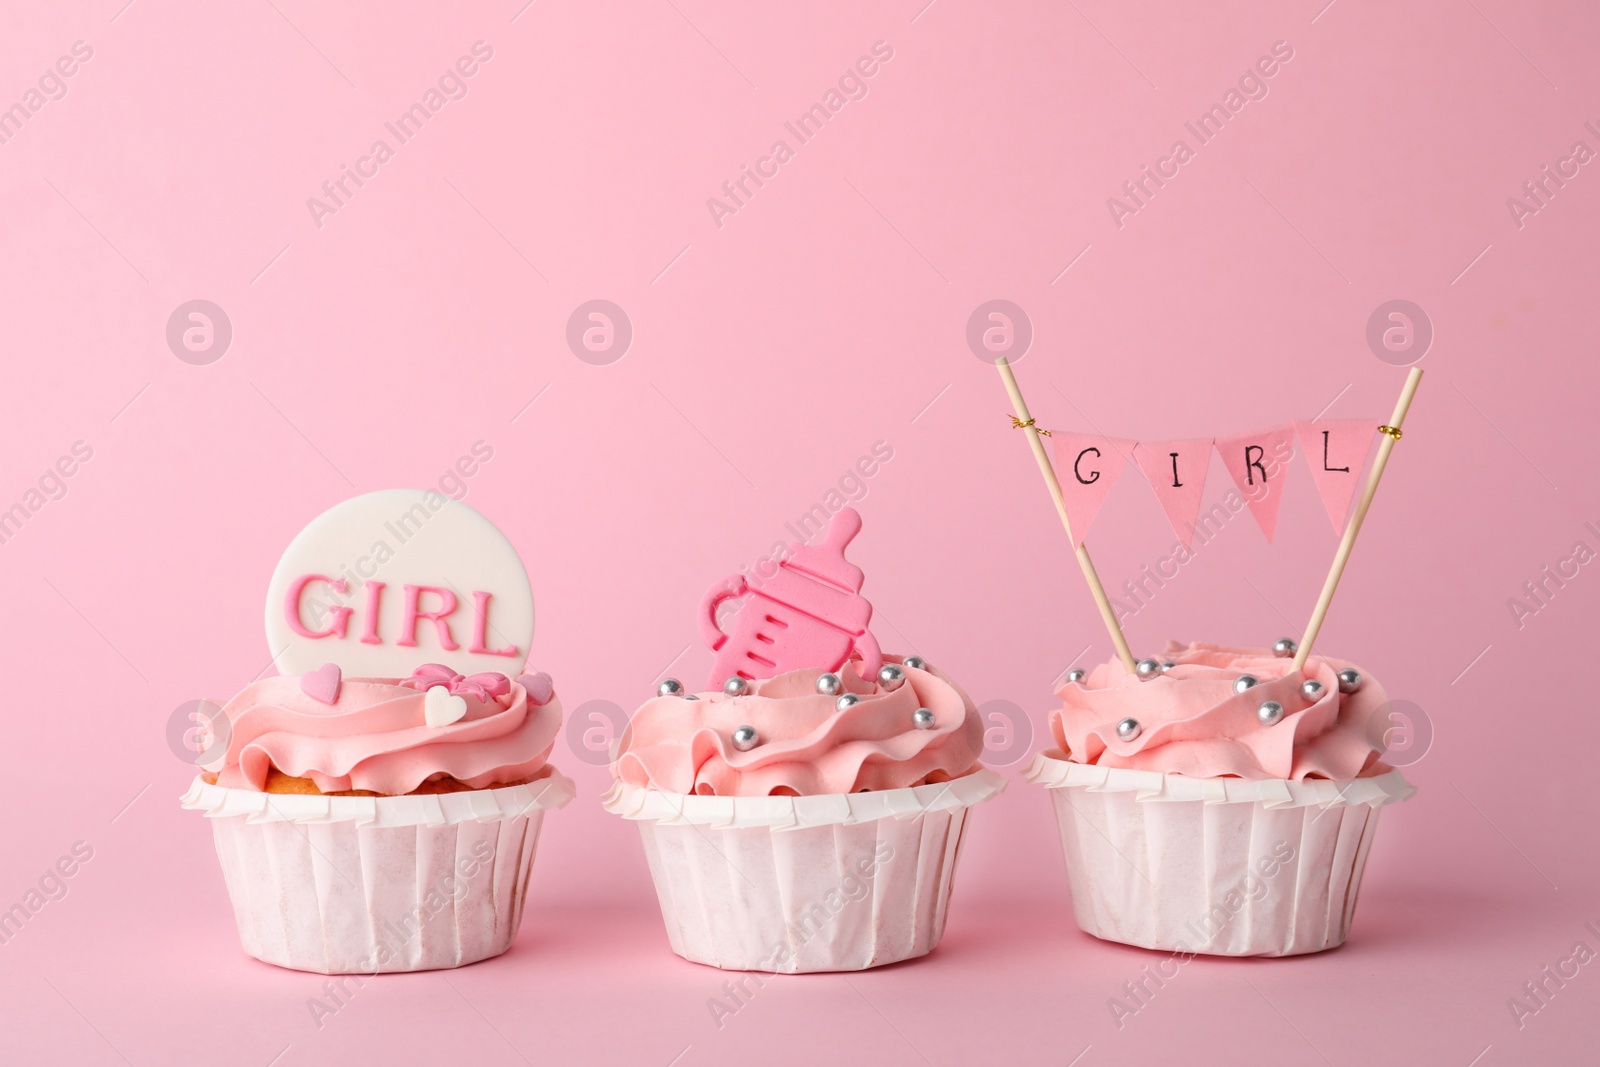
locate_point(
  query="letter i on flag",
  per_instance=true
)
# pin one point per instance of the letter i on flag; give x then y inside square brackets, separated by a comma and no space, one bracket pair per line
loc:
[1086,467]
[1259,464]
[1176,470]
[1336,450]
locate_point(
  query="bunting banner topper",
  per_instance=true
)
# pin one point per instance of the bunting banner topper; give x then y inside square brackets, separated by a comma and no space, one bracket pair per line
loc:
[1335,450]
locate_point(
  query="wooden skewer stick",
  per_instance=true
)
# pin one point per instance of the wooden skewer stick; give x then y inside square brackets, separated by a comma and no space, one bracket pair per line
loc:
[1348,542]
[1107,615]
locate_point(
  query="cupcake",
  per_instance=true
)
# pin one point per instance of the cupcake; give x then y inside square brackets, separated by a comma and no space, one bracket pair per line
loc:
[385,823]
[801,816]
[1225,805]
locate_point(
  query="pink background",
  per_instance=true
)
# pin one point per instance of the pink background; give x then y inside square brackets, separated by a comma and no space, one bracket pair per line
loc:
[769,354]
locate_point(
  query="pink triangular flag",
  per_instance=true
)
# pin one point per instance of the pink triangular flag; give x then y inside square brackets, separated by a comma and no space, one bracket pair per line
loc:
[1086,466]
[1176,470]
[1336,450]
[1259,464]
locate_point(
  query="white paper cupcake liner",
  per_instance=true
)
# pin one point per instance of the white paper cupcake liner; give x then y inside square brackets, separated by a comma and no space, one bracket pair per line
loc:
[1219,866]
[839,882]
[365,885]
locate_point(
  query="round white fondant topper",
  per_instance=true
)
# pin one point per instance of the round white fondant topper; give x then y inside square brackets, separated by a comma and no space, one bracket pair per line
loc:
[388,581]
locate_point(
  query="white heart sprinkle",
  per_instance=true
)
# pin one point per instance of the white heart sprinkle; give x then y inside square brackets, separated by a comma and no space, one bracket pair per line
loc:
[440,707]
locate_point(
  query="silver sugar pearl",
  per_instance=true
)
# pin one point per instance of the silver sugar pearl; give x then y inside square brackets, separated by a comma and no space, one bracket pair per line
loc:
[1269,712]
[669,687]
[1285,647]
[829,684]
[1311,689]
[1245,682]
[1077,674]
[736,686]
[922,719]
[1349,680]
[744,738]
[690,696]
[846,700]
[1147,669]
[1167,665]
[891,677]
[1128,729]
[916,661]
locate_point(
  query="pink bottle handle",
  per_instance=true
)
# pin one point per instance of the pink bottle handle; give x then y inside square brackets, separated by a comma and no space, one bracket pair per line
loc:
[871,656]
[727,589]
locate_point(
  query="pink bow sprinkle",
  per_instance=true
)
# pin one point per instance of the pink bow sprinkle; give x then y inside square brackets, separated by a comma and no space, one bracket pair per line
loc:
[486,686]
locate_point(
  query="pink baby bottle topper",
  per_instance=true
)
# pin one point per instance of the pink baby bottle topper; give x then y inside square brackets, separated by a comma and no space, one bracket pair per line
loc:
[810,614]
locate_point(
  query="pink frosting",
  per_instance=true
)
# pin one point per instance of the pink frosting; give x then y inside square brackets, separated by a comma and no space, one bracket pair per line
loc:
[374,736]
[1193,723]
[806,746]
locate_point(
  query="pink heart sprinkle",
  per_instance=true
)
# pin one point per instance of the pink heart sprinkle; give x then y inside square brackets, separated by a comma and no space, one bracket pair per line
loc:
[323,683]
[539,686]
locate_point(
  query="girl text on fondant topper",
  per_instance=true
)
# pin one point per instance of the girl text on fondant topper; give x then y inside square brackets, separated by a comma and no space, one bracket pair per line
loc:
[338,623]
[455,592]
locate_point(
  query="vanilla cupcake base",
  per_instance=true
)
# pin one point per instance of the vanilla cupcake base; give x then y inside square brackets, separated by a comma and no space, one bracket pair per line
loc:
[1218,866]
[365,885]
[838,882]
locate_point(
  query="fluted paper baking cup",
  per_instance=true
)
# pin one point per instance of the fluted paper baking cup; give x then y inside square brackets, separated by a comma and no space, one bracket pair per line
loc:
[1217,866]
[839,882]
[366,885]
